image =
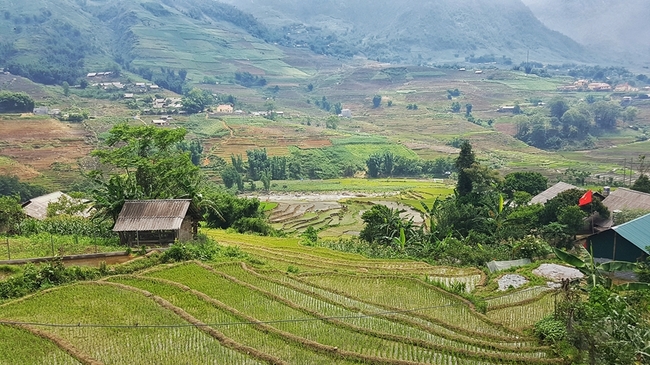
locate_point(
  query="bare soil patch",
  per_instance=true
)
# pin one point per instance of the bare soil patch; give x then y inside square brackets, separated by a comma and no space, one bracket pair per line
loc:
[38,143]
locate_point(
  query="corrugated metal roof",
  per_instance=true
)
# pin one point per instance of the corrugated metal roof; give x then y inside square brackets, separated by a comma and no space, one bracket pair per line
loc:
[152,215]
[637,232]
[551,193]
[623,199]
[37,207]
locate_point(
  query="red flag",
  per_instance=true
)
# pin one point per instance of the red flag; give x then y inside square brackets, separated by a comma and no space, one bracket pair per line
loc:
[586,199]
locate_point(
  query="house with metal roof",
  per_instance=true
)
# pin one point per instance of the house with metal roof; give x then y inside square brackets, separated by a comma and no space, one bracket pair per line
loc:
[627,242]
[37,207]
[157,222]
[551,193]
[619,200]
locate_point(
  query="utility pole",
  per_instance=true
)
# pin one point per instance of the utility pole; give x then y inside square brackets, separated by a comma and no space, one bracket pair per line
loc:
[624,172]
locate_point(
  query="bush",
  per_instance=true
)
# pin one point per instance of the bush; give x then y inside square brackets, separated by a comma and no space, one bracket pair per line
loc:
[550,330]
[531,247]
[204,249]
[253,225]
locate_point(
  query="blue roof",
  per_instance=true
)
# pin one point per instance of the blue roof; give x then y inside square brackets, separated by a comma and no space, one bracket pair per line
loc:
[637,232]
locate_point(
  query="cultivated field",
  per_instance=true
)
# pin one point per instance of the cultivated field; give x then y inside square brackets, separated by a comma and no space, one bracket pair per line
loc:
[329,308]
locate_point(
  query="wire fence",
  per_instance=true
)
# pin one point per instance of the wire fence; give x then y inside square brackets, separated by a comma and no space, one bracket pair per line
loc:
[51,245]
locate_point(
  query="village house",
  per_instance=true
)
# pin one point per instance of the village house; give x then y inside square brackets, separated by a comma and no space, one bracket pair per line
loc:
[551,193]
[157,222]
[42,110]
[625,88]
[625,242]
[37,207]
[160,122]
[225,108]
[600,86]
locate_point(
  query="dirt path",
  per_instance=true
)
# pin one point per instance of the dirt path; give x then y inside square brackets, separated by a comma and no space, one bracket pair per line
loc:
[232,133]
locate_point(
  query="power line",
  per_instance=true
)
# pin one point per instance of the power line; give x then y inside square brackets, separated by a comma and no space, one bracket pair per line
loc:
[221,324]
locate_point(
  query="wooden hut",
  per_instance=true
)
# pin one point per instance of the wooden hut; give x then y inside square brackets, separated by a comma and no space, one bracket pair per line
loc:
[157,222]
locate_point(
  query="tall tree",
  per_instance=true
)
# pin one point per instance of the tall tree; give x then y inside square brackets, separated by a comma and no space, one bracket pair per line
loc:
[558,106]
[465,160]
[642,184]
[143,162]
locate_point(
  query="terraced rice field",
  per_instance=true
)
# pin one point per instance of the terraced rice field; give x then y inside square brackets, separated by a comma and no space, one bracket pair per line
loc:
[337,309]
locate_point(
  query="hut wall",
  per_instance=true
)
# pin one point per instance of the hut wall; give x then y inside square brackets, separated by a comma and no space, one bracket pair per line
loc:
[186,233]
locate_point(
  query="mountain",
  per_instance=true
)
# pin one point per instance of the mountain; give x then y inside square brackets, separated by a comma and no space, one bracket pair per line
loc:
[51,41]
[619,28]
[421,30]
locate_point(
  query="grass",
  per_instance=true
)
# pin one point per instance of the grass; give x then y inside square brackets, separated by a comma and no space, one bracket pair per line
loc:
[432,187]
[246,334]
[102,304]
[20,347]
[45,245]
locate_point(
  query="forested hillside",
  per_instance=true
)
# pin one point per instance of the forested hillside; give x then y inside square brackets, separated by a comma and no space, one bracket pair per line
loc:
[422,31]
[55,41]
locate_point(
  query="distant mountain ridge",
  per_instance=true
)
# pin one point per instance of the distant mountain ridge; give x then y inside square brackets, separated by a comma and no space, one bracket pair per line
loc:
[435,30]
[51,41]
[618,28]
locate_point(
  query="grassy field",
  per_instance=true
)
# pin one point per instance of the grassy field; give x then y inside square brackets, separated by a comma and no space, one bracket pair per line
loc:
[285,304]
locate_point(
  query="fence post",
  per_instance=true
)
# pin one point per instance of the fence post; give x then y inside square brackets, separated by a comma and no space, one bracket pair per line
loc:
[8,250]
[52,242]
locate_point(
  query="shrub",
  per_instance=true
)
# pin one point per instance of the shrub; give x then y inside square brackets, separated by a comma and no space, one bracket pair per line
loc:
[550,330]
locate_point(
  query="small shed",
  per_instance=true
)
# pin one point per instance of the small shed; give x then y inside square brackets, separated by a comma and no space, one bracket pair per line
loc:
[157,222]
[551,193]
[627,242]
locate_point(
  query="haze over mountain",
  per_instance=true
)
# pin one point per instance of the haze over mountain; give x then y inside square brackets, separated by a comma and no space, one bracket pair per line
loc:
[618,28]
[51,41]
[407,30]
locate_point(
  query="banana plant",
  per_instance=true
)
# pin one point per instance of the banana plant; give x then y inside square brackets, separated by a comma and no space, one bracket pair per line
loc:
[596,274]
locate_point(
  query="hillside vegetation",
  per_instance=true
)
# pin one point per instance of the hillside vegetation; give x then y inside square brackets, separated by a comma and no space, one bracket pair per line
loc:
[422,31]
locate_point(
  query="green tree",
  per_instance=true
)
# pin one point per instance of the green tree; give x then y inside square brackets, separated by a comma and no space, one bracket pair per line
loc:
[383,225]
[196,100]
[606,114]
[12,186]
[629,114]
[15,102]
[376,101]
[464,161]
[554,207]
[558,106]
[455,107]
[143,162]
[387,163]
[579,118]
[532,183]
[642,184]
[230,176]
[468,109]
[66,88]
[332,122]
[66,206]
[374,165]
[11,214]
[573,218]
